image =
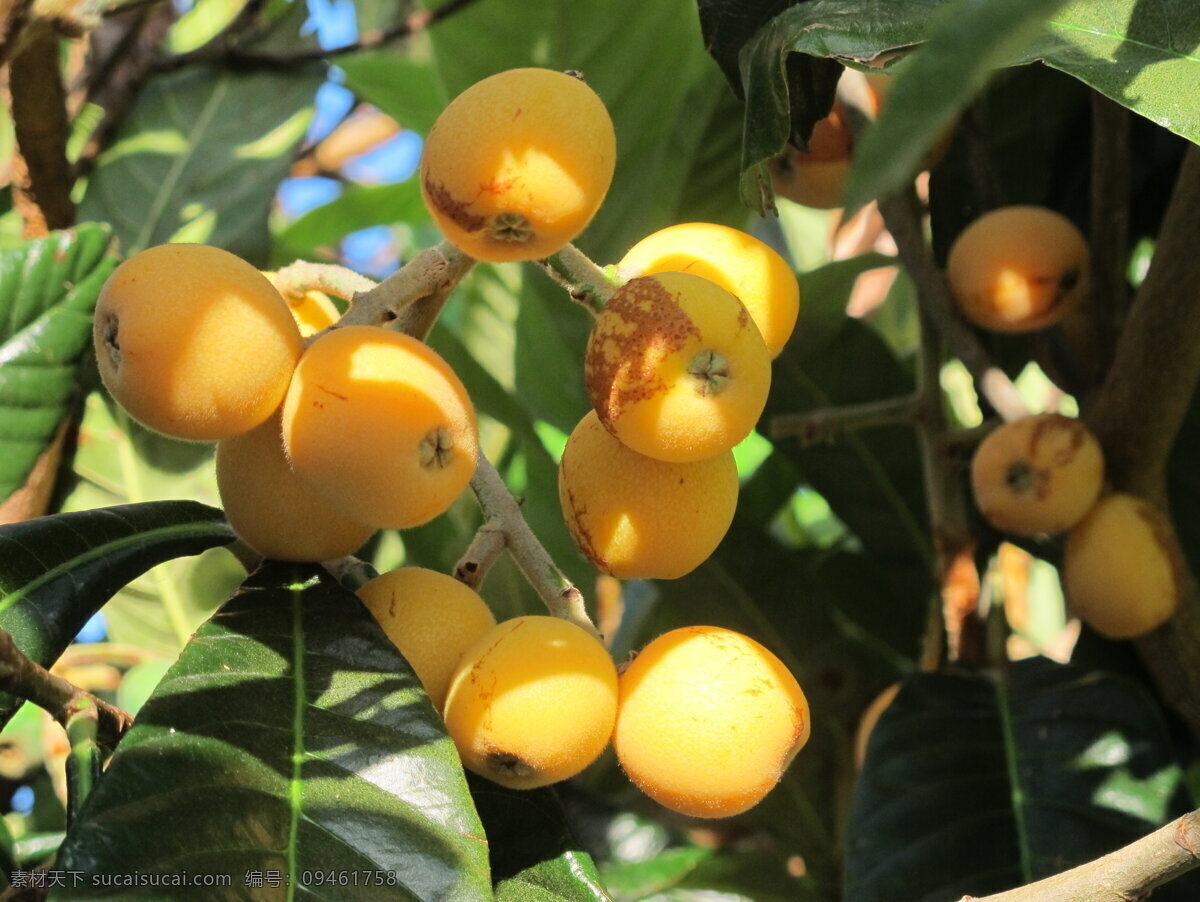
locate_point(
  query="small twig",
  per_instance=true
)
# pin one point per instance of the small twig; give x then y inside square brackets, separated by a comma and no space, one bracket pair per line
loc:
[350,572]
[1128,874]
[485,549]
[823,425]
[901,213]
[1109,233]
[561,597]
[585,282]
[65,701]
[240,57]
[295,279]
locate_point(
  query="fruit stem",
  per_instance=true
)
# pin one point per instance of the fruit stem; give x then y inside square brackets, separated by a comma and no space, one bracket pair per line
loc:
[296,279]
[485,549]
[586,283]
[350,572]
[814,427]
[502,513]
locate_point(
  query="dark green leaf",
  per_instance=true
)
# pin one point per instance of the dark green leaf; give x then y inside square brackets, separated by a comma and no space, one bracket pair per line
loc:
[200,157]
[48,289]
[966,41]
[289,737]
[56,572]
[407,89]
[975,783]
[1141,55]
[534,856]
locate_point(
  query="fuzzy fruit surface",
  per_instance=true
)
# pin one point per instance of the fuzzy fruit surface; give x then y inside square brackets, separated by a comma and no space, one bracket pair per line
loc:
[532,702]
[274,511]
[635,517]
[708,721]
[675,367]
[380,426]
[1018,269]
[432,618]
[815,178]
[1122,568]
[194,342]
[517,165]
[1038,475]
[740,263]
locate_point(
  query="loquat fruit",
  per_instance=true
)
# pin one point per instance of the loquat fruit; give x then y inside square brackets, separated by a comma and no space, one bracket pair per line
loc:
[517,165]
[708,720]
[635,517]
[675,367]
[532,702]
[194,342]
[1038,475]
[431,617]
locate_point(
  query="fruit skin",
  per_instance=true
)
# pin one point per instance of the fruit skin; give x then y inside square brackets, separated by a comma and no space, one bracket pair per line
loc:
[1122,568]
[516,166]
[432,618]
[675,367]
[635,517]
[708,721]
[740,263]
[194,342]
[380,426]
[1018,269]
[1038,475]
[274,511]
[815,178]
[532,702]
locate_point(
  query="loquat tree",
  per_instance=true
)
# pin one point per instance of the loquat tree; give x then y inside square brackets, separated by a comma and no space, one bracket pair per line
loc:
[558,451]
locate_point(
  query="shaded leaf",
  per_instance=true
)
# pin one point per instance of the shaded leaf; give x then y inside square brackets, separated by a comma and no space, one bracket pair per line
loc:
[358,207]
[56,572]
[48,289]
[199,159]
[966,41]
[1142,55]
[290,736]
[1054,766]
[534,856]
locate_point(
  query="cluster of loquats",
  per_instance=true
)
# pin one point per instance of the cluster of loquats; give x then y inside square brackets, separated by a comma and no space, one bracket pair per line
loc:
[1020,269]
[327,432]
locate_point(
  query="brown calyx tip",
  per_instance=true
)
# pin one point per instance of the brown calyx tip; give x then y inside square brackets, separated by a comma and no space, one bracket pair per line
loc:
[510,228]
[710,372]
[1020,477]
[508,764]
[437,448]
[110,336]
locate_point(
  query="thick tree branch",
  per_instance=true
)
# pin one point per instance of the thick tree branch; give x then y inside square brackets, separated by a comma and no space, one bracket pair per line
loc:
[1126,875]
[65,701]
[39,111]
[902,216]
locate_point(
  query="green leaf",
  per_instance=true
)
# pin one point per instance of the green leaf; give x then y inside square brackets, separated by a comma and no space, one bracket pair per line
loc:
[48,289]
[199,159]
[1141,55]
[289,737]
[1054,765]
[358,207]
[967,40]
[120,462]
[56,572]
[534,855]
